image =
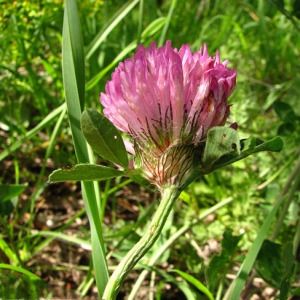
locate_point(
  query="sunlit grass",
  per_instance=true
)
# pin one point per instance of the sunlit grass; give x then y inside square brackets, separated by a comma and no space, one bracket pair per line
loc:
[258,38]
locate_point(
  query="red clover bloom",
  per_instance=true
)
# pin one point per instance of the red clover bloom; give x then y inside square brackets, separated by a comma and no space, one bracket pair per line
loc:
[166,100]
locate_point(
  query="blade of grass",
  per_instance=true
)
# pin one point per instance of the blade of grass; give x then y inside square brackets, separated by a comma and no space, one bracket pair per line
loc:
[117,18]
[39,186]
[140,22]
[162,38]
[196,283]
[236,287]
[49,118]
[47,241]
[148,32]
[92,82]
[294,181]
[32,276]
[66,238]
[8,252]
[73,76]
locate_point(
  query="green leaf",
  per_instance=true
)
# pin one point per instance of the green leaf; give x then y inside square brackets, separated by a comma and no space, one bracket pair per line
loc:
[64,237]
[284,111]
[29,134]
[269,263]
[7,251]
[289,263]
[109,26]
[196,283]
[219,264]
[31,275]
[296,9]
[248,147]
[216,269]
[296,291]
[8,197]
[257,145]
[9,191]
[103,137]
[84,172]
[73,77]
[230,242]
[286,129]
[220,141]
[155,26]
[276,265]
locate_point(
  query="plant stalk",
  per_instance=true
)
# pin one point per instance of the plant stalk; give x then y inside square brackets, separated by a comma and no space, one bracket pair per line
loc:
[169,196]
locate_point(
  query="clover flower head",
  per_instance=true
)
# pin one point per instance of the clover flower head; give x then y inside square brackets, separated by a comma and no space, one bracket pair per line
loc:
[166,100]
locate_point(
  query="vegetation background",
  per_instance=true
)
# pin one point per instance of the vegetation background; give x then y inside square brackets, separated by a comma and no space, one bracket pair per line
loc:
[45,238]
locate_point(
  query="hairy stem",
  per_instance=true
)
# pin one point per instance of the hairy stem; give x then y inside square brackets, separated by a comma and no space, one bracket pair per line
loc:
[169,196]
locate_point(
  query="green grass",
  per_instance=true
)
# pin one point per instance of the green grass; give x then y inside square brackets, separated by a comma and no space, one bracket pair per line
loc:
[259,38]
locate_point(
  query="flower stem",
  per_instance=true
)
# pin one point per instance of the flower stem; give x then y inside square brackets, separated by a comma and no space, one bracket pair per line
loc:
[169,196]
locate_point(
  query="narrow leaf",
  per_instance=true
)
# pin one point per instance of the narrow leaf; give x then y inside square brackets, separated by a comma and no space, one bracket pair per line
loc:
[196,283]
[84,172]
[236,287]
[7,251]
[29,134]
[109,26]
[62,236]
[73,77]
[31,275]
[103,137]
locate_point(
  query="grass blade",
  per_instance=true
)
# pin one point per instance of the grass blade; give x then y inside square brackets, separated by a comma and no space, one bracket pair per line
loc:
[31,275]
[118,17]
[196,283]
[236,288]
[73,75]
[33,131]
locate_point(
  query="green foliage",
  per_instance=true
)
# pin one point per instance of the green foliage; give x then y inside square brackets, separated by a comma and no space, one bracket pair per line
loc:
[103,137]
[27,284]
[85,172]
[223,147]
[219,265]
[73,74]
[276,265]
[196,283]
[220,141]
[259,38]
[9,197]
